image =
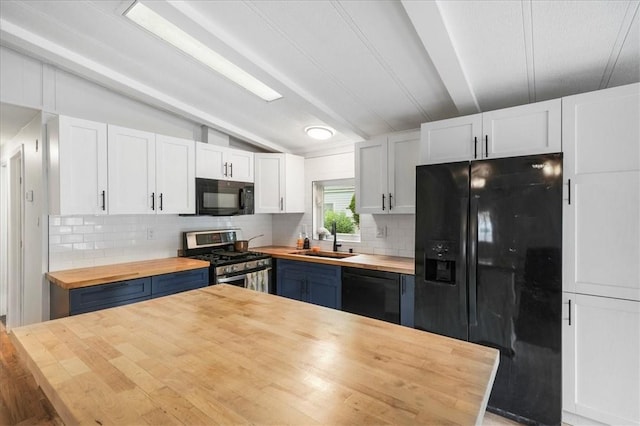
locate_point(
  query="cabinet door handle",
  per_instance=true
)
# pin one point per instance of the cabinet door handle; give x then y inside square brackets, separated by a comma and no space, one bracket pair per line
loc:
[569,191]
[486,146]
[161,201]
[225,169]
[153,201]
[475,147]
[569,311]
[230,169]
[281,203]
[403,288]
[104,200]
[390,207]
[382,201]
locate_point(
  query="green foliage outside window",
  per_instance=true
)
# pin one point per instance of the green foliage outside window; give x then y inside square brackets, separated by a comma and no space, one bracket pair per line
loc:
[344,224]
[352,207]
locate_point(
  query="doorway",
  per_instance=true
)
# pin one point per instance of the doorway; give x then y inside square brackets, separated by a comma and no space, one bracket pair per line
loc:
[15,253]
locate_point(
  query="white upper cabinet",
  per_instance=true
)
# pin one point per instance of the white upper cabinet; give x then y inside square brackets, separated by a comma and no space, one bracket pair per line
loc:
[150,174]
[175,175]
[219,162]
[522,130]
[132,170]
[455,139]
[386,173]
[601,213]
[600,353]
[279,183]
[77,166]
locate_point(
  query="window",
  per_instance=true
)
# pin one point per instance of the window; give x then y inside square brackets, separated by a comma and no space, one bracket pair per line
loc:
[334,200]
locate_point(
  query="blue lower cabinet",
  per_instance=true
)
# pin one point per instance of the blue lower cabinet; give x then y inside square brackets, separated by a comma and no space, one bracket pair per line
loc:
[407,297]
[310,282]
[163,285]
[88,299]
[93,298]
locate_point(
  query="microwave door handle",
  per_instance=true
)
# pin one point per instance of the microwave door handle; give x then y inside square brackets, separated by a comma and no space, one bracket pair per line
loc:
[242,198]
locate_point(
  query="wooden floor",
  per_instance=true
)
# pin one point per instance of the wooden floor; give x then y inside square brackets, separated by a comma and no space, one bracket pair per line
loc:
[23,403]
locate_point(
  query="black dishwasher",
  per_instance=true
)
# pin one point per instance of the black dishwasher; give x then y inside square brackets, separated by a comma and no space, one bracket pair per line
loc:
[374,294]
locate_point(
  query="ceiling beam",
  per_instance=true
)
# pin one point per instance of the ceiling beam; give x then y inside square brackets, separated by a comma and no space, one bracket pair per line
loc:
[430,26]
[45,49]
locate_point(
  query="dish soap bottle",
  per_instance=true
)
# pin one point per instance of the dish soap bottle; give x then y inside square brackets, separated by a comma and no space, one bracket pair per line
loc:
[300,242]
[306,242]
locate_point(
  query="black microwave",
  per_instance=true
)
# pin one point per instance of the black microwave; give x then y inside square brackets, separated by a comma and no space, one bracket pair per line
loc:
[223,197]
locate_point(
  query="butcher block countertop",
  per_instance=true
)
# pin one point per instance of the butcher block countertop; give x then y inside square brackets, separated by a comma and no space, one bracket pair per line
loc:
[94,275]
[402,265]
[228,355]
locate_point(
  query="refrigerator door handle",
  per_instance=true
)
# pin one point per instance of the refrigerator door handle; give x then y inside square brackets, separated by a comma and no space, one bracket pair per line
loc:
[473,262]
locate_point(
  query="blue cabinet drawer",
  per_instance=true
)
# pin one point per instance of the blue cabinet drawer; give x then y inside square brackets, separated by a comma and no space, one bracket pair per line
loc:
[163,285]
[103,296]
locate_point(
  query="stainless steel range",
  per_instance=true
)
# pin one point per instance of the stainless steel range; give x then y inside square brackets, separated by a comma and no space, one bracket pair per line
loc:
[243,269]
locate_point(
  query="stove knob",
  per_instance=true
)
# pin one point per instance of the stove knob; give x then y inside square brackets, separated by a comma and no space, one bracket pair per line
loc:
[227,270]
[260,263]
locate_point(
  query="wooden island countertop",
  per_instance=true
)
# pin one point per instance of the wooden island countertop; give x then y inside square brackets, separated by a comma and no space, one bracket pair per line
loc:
[223,354]
[401,265]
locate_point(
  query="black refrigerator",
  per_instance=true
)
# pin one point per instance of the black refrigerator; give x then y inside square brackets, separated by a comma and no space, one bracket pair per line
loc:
[489,270]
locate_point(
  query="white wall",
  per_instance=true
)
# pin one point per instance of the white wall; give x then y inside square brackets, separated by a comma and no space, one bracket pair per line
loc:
[35,291]
[4,212]
[28,82]
[399,240]
[82,241]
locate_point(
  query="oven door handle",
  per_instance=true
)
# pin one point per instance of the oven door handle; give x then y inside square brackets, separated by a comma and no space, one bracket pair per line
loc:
[233,278]
[238,277]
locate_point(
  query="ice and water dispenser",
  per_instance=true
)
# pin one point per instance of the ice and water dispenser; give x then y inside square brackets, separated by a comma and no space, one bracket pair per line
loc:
[440,262]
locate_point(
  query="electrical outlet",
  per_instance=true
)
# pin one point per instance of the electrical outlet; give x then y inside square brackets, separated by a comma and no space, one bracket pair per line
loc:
[381,231]
[151,234]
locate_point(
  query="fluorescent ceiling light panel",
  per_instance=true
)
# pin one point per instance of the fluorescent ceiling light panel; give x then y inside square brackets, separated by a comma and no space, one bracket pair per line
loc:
[156,24]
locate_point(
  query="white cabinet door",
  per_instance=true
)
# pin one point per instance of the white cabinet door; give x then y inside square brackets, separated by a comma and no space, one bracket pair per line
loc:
[210,160]
[240,164]
[279,183]
[602,235]
[522,130]
[601,168]
[371,176]
[78,166]
[131,165]
[601,378]
[455,139]
[403,156]
[219,162]
[269,183]
[175,175]
[293,184]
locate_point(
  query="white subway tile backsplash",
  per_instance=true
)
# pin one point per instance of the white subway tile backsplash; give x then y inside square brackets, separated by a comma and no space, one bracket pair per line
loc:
[82,229]
[80,241]
[70,238]
[72,220]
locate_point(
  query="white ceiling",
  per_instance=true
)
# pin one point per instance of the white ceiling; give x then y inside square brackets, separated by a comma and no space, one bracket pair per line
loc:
[362,67]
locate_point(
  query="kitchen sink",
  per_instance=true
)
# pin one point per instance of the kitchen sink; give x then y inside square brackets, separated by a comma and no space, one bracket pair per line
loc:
[327,254]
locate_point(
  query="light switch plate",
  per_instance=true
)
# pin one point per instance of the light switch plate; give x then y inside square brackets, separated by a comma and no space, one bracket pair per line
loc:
[381,231]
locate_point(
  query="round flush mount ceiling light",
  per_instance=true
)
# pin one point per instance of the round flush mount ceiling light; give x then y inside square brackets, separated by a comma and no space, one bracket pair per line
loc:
[319,132]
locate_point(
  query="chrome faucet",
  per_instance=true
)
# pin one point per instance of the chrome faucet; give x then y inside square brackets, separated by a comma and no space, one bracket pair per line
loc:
[335,236]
